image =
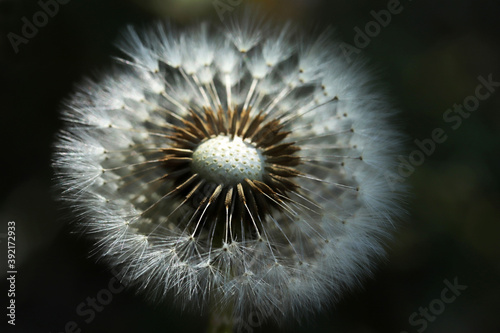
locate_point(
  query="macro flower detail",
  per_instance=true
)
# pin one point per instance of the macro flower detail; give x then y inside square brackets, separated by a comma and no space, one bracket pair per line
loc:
[243,168]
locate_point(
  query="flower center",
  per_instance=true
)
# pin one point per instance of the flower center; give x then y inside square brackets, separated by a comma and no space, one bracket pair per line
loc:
[225,160]
[234,168]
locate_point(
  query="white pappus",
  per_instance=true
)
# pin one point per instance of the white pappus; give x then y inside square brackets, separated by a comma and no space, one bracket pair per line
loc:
[240,168]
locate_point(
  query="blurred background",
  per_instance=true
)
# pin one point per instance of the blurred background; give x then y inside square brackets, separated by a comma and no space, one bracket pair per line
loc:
[429,57]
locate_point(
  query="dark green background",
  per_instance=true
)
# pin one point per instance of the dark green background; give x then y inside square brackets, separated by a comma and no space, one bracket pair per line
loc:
[428,57]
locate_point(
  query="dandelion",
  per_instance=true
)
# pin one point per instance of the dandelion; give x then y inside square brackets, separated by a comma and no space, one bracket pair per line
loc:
[243,170]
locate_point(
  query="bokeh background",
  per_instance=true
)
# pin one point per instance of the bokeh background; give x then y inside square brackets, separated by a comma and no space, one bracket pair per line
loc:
[428,58]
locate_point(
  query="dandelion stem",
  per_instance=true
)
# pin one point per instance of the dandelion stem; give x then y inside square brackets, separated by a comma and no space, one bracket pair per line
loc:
[221,321]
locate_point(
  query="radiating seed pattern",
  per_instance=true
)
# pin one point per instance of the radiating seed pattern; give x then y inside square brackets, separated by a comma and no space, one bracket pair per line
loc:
[247,168]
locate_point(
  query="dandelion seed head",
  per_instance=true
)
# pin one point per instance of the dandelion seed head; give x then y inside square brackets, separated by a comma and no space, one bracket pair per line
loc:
[228,161]
[246,169]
